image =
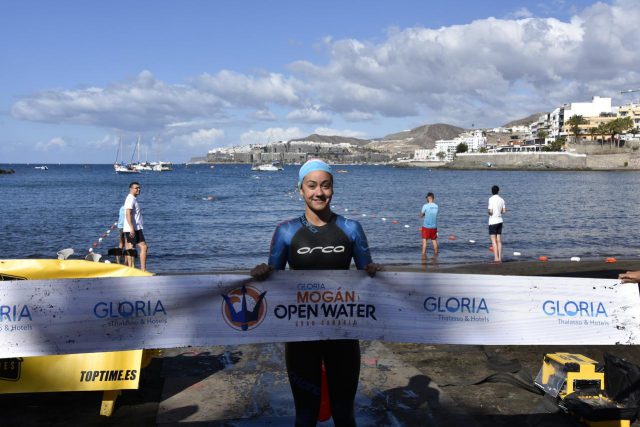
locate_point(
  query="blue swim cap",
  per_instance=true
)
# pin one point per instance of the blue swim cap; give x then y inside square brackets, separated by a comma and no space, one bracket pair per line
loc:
[311,166]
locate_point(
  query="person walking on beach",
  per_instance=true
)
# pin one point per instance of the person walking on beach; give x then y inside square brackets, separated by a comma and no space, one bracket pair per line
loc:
[496,209]
[430,225]
[319,227]
[133,225]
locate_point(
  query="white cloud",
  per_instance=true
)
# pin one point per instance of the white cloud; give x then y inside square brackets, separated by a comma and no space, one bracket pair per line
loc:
[106,141]
[143,103]
[249,91]
[357,116]
[199,138]
[482,72]
[309,115]
[264,115]
[270,135]
[521,13]
[56,143]
[340,132]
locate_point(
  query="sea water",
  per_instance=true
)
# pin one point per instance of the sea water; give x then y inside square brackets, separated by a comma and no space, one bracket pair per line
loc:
[199,218]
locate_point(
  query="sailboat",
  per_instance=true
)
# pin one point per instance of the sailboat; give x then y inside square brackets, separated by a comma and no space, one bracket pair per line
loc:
[120,166]
[144,166]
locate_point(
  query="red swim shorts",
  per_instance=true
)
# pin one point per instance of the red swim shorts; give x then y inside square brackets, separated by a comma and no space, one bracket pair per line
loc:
[429,233]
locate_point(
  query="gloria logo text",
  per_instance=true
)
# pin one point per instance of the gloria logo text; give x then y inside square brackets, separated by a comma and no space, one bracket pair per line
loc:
[128,309]
[14,313]
[456,305]
[574,308]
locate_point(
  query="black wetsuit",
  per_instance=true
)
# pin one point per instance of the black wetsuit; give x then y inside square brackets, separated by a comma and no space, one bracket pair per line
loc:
[330,247]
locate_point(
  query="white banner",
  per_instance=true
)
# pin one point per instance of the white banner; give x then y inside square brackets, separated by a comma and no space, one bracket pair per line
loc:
[39,317]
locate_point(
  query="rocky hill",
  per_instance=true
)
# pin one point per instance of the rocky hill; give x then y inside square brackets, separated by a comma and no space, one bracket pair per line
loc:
[405,142]
[421,137]
[523,122]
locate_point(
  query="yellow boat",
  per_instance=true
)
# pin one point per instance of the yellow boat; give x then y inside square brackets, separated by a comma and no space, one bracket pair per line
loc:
[109,372]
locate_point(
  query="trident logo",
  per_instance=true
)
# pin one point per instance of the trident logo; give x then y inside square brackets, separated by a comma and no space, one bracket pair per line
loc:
[243,318]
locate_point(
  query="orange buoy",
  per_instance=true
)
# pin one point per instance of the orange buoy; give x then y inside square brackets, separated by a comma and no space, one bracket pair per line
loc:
[325,404]
[610,260]
[543,258]
[452,237]
[491,248]
[394,222]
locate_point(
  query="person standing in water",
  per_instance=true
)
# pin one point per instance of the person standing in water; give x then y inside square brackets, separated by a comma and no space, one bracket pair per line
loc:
[495,210]
[430,225]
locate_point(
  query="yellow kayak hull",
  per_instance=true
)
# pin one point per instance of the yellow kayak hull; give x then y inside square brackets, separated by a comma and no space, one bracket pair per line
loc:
[41,269]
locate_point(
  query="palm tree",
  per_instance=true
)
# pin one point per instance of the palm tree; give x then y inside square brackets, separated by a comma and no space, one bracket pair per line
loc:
[619,126]
[604,129]
[574,123]
[543,134]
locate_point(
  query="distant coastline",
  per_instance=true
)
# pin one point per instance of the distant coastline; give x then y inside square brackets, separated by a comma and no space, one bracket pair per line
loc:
[561,161]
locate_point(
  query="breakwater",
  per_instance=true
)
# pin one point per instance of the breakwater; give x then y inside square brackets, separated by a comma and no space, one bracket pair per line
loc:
[547,160]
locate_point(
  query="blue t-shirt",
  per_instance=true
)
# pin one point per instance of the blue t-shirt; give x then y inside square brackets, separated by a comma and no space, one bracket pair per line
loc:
[121,218]
[430,211]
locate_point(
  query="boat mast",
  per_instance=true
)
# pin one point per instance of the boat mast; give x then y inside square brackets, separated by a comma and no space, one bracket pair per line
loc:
[118,150]
[136,149]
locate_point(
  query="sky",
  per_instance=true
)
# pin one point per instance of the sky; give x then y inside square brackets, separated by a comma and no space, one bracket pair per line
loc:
[187,76]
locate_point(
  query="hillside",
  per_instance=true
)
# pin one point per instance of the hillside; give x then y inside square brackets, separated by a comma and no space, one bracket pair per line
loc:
[523,122]
[421,137]
[334,139]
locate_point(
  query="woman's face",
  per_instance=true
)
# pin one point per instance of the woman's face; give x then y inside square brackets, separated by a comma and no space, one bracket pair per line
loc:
[317,190]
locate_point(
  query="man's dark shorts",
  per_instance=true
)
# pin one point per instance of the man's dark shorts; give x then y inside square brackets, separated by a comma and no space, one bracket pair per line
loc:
[495,229]
[138,238]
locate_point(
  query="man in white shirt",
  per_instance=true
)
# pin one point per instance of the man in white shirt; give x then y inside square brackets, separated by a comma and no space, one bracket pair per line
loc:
[133,225]
[496,209]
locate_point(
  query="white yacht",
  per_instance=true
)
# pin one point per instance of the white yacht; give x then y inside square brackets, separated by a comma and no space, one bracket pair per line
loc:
[162,166]
[267,167]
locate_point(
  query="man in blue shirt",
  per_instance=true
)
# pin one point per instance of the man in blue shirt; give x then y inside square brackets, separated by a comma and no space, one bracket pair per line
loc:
[430,225]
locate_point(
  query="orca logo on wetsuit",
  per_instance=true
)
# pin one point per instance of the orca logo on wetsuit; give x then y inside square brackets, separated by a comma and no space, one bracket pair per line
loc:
[325,250]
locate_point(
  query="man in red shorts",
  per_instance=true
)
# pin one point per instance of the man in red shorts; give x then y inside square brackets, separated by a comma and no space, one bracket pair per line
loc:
[430,225]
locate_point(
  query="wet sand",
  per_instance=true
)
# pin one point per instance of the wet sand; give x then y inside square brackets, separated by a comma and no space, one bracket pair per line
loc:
[590,268]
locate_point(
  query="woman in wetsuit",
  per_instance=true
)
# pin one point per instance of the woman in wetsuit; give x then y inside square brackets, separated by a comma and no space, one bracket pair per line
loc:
[320,240]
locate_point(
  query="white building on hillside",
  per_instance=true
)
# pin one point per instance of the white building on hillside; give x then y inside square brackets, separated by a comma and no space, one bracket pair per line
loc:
[595,108]
[448,147]
[519,129]
[475,140]
[425,155]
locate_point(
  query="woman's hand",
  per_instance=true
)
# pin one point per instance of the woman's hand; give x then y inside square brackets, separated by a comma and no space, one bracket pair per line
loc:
[261,271]
[630,277]
[373,268]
